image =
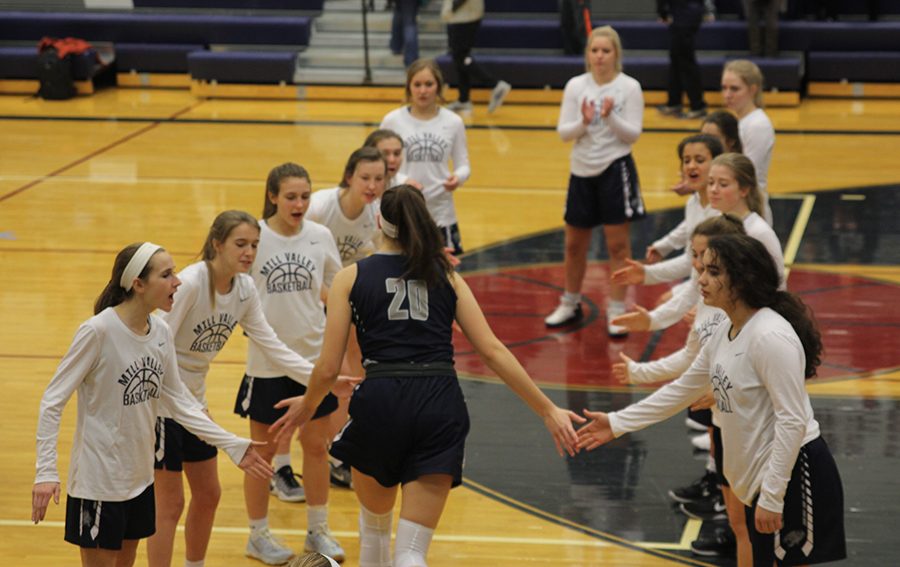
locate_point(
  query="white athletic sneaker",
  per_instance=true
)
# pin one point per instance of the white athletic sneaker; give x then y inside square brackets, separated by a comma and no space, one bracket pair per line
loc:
[323,542]
[615,331]
[701,442]
[498,95]
[459,106]
[564,314]
[284,485]
[695,425]
[264,546]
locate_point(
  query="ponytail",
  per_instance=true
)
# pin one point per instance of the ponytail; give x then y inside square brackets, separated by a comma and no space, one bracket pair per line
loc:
[419,238]
[800,316]
[114,294]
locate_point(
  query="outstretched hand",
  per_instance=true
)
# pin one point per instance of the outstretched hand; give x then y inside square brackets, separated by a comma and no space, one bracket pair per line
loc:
[638,320]
[254,465]
[296,415]
[41,493]
[559,422]
[597,432]
[631,274]
[620,369]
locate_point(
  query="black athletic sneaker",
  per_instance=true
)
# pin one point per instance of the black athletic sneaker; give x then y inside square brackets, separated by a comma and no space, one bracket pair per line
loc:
[716,542]
[712,509]
[702,489]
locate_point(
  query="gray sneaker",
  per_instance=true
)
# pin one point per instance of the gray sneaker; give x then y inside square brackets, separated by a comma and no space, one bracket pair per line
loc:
[285,486]
[460,106]
[498,95]
[323,542]
[264,546]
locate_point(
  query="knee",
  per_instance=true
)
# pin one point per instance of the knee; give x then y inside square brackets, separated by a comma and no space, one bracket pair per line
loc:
[169,507]
[314,446]
[208,498]
[618,249]
[577,247]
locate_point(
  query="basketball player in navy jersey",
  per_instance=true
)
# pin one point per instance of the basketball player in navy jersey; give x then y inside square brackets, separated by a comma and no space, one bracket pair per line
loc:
[408,418]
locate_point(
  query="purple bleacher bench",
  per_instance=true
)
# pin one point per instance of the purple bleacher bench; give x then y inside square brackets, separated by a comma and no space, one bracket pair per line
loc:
[855,66]
[257,67]
[157,28]
[305,5]
[22,63]
[538,71]
[154,57]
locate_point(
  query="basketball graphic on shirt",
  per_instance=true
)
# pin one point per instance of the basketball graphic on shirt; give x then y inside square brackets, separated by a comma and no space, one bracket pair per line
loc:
[426,147]
[212,333]
[288,272]
[141,381]
[349,246]
[721,385]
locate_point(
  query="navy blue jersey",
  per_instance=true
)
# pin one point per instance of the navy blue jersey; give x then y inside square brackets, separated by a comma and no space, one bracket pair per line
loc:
[401,320]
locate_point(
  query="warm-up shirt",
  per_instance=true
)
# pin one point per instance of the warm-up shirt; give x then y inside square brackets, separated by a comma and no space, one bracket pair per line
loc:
[289,272]
[429,146]
[761,404]
[202,328]
[355,238]
[678,238]
[123,381]
[758,140]
[604,140]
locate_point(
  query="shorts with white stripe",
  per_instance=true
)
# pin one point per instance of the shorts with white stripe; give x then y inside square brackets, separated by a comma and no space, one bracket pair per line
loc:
[813,517]
[613,197]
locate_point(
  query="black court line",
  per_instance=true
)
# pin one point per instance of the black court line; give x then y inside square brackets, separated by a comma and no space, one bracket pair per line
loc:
[97,152]
[368,124]
[507,501]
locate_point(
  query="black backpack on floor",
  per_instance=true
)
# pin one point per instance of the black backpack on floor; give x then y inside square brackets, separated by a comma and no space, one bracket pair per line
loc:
[55,75]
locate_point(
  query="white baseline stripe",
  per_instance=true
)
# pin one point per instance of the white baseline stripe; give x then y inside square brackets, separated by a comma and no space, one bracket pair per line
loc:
[590,543]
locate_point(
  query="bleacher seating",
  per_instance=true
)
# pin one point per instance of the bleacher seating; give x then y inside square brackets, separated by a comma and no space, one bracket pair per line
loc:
[253,67]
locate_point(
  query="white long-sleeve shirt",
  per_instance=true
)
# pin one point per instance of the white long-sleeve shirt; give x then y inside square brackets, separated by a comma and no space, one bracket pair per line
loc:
[355,238]
[123,381]
[289,272]
[679,237]
[672,366]
[761,404]
[429,147]
[604,140]
[201,329]
[758,140]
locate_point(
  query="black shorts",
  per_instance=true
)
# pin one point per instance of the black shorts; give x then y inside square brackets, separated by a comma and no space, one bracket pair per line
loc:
[178,446]
[613,197]
[813,517]
[717,455]
[404,428]
[451,237]
[257,397]
[703,416]
[92,523]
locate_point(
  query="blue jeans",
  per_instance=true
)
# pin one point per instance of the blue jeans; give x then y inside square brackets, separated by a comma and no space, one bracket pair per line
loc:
[405,31]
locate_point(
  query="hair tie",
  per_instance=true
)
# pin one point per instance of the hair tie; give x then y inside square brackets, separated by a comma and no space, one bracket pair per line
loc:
[137,264]
[388,228]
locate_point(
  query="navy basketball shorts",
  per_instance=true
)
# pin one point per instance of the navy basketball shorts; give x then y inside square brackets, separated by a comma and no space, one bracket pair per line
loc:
[95,523]
[718,451]
[257,397]
[404,428]
[813,517]
[613,197]
[175,446]
[452,239]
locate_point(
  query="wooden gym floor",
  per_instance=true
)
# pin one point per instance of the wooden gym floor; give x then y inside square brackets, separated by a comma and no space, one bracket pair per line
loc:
[82,178]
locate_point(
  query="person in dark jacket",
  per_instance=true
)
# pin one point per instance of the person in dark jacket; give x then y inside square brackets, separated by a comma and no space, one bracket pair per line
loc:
[684,18]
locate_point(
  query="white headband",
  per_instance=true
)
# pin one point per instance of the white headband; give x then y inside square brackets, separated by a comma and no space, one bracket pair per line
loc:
[388,228]
[137,263]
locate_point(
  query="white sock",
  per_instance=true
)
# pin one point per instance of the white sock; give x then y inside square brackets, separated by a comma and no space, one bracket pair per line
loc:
[411,545]
[571,298]
[260,524]
[194,563]
[317,518]
[614,306]
[374,538]
[281,461]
